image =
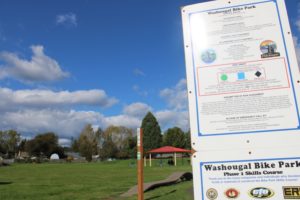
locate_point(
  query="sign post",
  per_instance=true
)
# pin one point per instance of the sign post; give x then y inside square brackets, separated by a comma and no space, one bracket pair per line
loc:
[140,170]
[244,93]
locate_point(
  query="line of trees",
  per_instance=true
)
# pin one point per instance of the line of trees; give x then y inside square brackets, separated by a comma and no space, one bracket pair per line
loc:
[42,145]
[120,142]
[9,143]
[114,142]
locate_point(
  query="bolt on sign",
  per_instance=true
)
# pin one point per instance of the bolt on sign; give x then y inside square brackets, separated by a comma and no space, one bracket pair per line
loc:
[243,88]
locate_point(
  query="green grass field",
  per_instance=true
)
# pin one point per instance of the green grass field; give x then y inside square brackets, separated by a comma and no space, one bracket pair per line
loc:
[106,181]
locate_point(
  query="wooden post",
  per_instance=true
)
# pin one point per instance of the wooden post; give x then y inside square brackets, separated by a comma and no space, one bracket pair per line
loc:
[140,169]
[150,161]
[175,161]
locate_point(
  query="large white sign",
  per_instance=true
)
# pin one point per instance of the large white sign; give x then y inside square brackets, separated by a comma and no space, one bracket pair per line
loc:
[240,67]
[243,86]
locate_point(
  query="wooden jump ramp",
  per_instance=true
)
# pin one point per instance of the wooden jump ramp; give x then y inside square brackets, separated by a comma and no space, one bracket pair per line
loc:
[172,179]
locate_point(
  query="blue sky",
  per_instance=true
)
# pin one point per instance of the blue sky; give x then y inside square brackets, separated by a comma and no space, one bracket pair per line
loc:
[64,64]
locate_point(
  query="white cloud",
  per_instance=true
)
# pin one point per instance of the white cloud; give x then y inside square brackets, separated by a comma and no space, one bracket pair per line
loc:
[131,117]
[295,38]
[176,97]
[69,19]
[297,48]
[2,37]
[298,18]
[65,142]
[137,109]
[134,113]
[165,118]
[138,90]
[38,111]
[298,24]
[46,98]
[123,120]
[169,118]
[40,68]
[69,123]
[177,115]
[65,123]
[138,72]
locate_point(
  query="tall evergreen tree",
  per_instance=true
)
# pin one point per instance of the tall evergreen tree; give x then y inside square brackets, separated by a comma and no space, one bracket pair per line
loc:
[187,136]
[174,137]
[152,137]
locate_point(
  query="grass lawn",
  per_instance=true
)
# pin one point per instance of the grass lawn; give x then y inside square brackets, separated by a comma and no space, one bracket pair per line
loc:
[181,191]
[105,181]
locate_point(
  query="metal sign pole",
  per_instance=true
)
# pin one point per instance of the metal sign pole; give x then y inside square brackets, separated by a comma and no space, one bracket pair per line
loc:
[140,169]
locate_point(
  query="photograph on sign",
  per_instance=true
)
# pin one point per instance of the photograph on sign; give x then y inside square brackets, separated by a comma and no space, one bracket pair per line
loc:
[241,68]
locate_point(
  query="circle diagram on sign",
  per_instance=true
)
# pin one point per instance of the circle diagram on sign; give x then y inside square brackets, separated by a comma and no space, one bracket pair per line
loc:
[208,56]
[212,194]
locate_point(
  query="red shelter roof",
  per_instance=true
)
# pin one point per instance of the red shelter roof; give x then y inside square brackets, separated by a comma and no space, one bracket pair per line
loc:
[169,149]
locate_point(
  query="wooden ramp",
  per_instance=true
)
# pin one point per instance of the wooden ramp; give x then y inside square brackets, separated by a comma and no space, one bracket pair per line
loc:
[172,179]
